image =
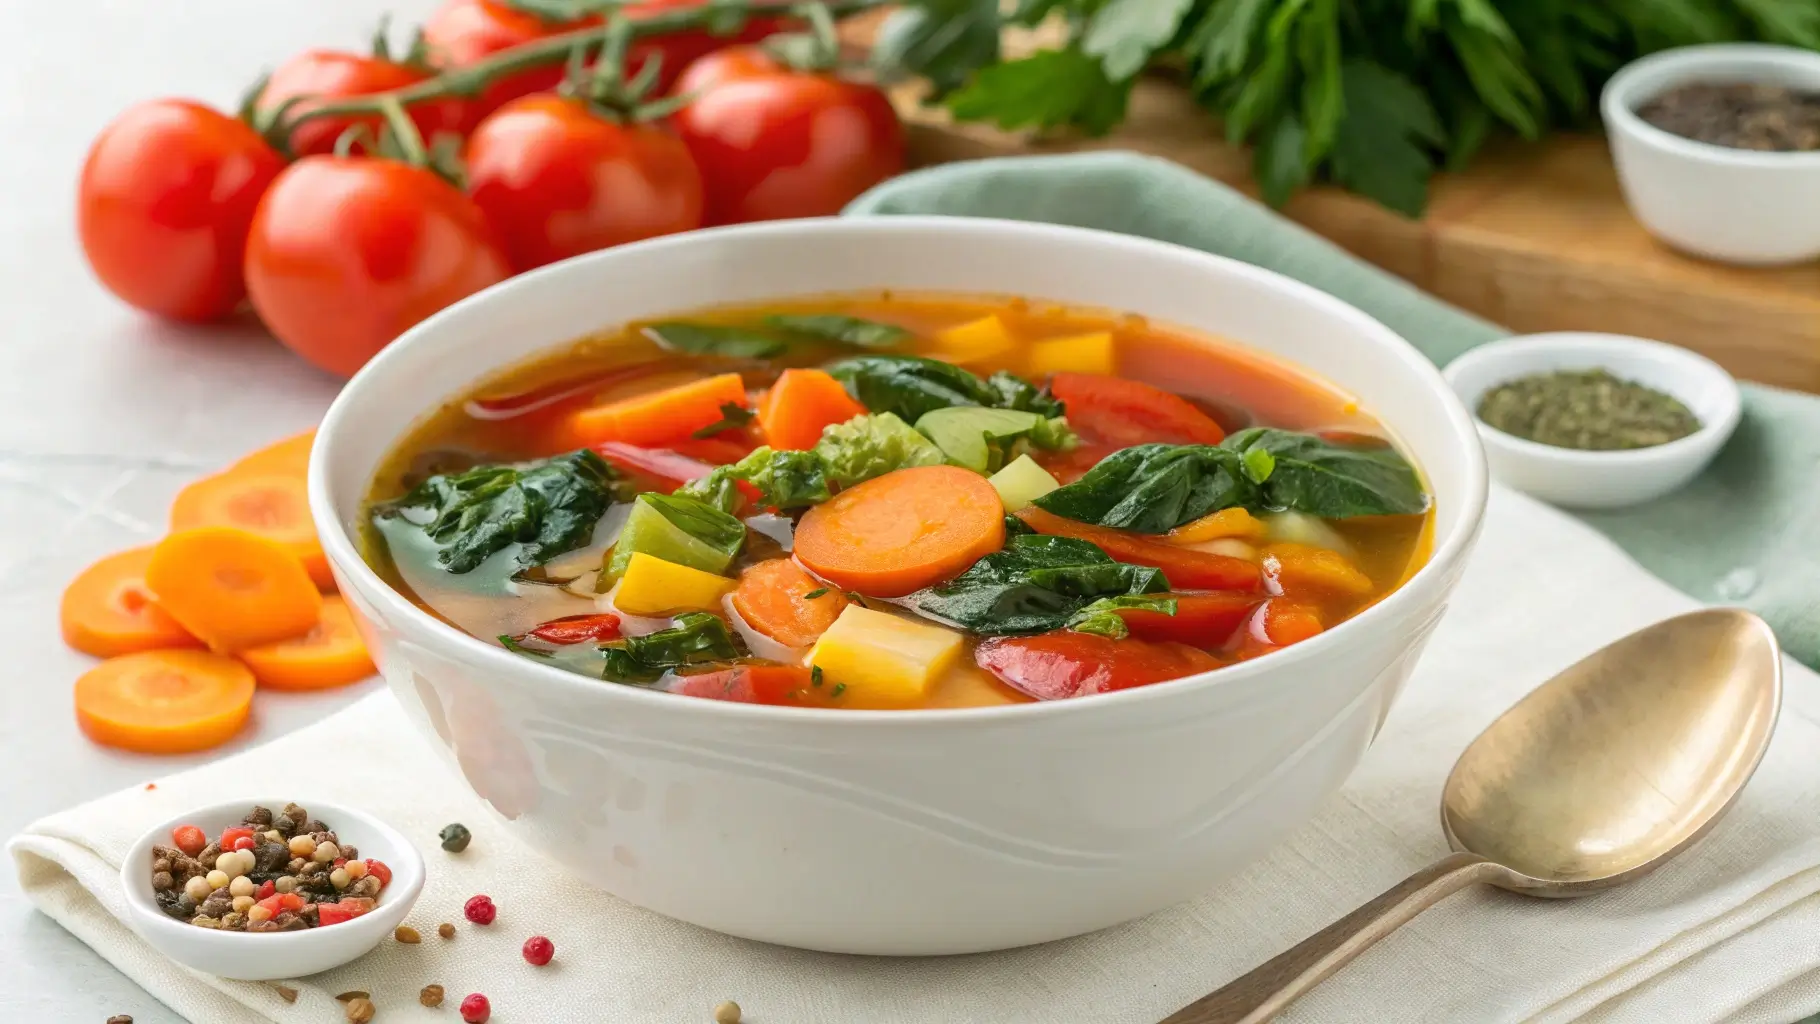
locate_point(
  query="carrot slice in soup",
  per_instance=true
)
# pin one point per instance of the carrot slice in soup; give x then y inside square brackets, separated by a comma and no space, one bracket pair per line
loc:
[164,702]
[902,531]
[800,405]
[774,598]
[108,611]
[660,417]
[274,505]
[331,654]
[232,588]
[290,456]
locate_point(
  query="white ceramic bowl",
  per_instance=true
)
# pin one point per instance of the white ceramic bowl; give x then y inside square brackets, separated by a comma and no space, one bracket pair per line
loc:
[1589,480]
[266,956]
[1735,205]
[907,832]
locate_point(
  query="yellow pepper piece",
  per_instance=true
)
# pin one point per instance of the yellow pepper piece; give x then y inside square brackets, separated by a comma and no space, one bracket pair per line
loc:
[1305,569]
[1082,353]
[883,659]
[1227,522]
[652,586]
[976,341]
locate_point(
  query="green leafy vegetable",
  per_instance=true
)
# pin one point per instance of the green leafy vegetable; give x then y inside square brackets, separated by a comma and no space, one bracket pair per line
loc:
[848,453]
[1154,488]
[714,340]
[678,529]
[788,479]
[1014,392]
[1103,616]
[547,508]
[911,386]
[1033,585]
[983,439]
[869,446]
[732,417]
[1333,481]
[697,637]
[940,40]
[1048,89]
[844,330]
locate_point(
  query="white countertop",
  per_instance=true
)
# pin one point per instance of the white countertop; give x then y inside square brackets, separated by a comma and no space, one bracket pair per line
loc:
[104,413]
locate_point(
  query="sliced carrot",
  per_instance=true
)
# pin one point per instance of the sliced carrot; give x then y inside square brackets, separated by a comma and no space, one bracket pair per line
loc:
[332,654]
[1288,622]
[1227,522]
[800,405]
[1305,569]
[108,611]
[164,702]
[233,588]
[1185,568]
[774,597]
[274,505]
[290,456]
[902,531]
[657,418]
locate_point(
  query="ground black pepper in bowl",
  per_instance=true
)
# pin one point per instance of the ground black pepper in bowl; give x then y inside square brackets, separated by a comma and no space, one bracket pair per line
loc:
[1586,409]
[274,872]
[1739,115]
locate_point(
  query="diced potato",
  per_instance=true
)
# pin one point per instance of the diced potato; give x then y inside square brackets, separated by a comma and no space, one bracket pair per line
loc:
[652,586]
[1021,482]
[1302,569]
[883,659]
[976,341]
[1081,353]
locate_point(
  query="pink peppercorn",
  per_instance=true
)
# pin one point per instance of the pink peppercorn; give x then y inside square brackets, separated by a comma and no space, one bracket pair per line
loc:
[475,1009]
[480,909]
[538,950]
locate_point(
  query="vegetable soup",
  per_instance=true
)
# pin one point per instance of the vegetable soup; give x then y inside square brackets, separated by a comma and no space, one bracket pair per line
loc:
[897,501]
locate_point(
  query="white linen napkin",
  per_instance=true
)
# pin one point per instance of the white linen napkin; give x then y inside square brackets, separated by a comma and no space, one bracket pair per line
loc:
[1728,932]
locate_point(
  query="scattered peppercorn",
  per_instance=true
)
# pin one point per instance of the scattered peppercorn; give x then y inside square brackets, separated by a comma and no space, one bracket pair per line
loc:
[360,1010]
[121,1018]
[354,993]
[431,995]
[538,950]
[480,909]
[406,934]
[475,1009]
[455,837]
[446,930]
[286,993]
[727,1013]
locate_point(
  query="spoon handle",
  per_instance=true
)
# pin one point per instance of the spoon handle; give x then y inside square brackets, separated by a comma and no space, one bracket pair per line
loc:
[1271,986]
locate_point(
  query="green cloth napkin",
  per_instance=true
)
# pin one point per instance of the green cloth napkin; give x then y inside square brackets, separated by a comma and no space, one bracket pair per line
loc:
[1745,533]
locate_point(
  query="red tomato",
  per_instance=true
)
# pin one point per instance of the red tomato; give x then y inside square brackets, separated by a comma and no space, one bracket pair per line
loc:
[231,837]
[164,203]
[752,684]
[777,143]
[556,180]
[335,74]
[1054,666]
[1200,620]
[346,253]
[1185,568]
[1119,412]
[573,629]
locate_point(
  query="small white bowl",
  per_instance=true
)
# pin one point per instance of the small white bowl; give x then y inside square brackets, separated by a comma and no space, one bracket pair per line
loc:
[265,956]
[1735,205]
[1573,478]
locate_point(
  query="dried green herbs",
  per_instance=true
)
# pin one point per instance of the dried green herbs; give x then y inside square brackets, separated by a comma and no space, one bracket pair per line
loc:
[1739,115]
[1586,409]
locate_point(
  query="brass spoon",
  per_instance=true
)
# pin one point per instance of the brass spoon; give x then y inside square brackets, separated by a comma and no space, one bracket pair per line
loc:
[1600,775]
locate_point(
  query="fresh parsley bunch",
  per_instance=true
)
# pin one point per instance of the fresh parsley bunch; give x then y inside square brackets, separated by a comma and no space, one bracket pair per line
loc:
[1374,95]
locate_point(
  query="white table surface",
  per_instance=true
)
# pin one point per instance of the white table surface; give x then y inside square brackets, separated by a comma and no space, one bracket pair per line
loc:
[104,413]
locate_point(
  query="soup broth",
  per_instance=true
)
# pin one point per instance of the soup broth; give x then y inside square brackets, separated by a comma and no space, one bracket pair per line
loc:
[791,504]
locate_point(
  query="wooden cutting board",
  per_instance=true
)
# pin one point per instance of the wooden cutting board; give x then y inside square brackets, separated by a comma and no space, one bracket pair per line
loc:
[1534,237]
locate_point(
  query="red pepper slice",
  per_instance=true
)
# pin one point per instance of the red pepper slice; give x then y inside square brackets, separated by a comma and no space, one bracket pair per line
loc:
[1056,666]
[574,629]
[1185,568]
[668,469]
[505,407]
[755,684]
[1200,620]
[1121,412]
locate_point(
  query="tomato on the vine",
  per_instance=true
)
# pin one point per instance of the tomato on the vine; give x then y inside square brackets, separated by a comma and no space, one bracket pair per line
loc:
[557,180]
[346,253]
[336,74]
[163,206]
[773,142]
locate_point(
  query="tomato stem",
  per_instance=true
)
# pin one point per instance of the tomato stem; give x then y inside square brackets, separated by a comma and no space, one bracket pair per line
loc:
[404,131]
[724,17]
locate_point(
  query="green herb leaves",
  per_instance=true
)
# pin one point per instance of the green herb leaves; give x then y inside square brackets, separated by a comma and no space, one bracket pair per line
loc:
[1033,585]
[859,449]
[1049,89]
[844,330]
[910,386]
[714,340]
[697,637]
[1102,616]
[1333,481]
[547,508]
[773,335]
[1385,146]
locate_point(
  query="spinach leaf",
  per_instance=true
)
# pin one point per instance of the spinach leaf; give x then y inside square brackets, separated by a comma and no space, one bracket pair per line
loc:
[1033,585]
[1333,481]
[713,340]
[910,386]
[732,417]
[548,507]
[1015,392]
[697,637]
[1102,616]
[845,330]
[1154,488]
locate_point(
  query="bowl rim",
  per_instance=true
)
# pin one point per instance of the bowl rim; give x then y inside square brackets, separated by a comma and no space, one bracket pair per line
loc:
[1713,431]
[135,881]
[1617,102]
[1433,574]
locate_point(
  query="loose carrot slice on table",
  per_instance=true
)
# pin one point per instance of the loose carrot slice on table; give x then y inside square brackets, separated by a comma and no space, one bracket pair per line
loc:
[331,654]
[274,505]
[233,589]
[290,456]
[800,405]
[164,702]
[902,531]
[108,610]
[774,598]
[660,417]
[1185,568]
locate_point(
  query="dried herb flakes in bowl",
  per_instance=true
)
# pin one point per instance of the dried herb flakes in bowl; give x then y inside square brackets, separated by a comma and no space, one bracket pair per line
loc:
[1591,410]
[1739,115]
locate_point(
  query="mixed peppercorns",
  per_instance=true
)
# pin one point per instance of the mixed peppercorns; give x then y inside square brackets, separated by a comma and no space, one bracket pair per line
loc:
[274,872]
